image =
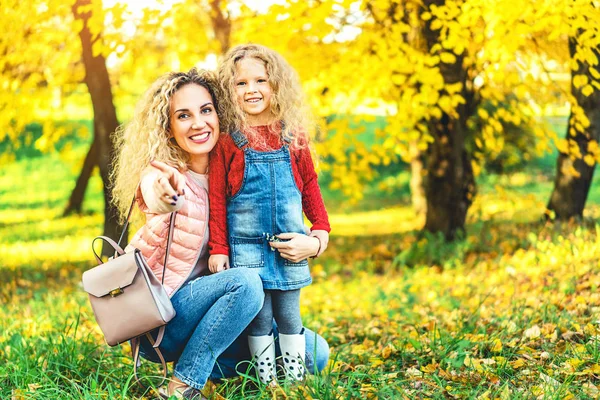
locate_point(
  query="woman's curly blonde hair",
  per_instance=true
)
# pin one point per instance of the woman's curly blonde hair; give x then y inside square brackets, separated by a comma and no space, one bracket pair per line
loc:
[147,135]
[287,101]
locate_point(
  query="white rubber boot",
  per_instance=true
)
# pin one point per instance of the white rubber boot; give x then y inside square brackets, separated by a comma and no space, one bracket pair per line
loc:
[262,349]
[293,348]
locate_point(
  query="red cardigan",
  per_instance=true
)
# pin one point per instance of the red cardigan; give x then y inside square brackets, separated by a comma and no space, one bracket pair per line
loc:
[226,173]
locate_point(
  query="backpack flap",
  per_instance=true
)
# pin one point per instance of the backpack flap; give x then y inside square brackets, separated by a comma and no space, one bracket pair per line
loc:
[112,277]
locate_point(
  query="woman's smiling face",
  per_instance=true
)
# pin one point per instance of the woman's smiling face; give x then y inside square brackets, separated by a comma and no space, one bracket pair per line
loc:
[194,121]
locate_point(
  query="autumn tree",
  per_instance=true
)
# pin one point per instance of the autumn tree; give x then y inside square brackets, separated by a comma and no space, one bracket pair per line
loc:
[439,69]
[105,117]
[410,57]
[448,75]
[221,22]
[36,68]
[43,64]
[579,151]
[450,184]
[44,68]
[138,51]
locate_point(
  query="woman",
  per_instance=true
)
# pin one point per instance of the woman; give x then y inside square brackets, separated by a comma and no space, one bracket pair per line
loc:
[163,158]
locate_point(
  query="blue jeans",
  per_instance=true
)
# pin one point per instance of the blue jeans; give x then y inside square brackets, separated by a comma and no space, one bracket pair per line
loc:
[212,313]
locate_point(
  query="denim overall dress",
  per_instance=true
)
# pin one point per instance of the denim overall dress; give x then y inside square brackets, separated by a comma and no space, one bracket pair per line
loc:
[267,204]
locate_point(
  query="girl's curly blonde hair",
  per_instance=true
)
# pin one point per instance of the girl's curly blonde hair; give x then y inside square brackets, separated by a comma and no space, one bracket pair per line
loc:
[147,136]
[287,101]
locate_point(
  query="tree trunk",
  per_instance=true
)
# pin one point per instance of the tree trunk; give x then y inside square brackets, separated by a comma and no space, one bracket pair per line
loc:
[449,184]
[573,174]
[417,189]
[105,116]
[221,25]
[76,200]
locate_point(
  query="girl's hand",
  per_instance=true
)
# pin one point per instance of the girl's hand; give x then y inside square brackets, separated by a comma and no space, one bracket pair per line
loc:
[323,237]
[218,263]
[297,246]
[169,182]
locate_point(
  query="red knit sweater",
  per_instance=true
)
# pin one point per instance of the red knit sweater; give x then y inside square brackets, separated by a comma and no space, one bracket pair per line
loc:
[226,173]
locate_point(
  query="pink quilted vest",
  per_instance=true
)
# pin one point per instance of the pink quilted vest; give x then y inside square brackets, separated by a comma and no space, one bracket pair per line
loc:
[191,226]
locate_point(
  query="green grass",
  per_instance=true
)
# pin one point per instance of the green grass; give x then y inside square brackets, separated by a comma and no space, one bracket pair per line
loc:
[74,134]
[508,312]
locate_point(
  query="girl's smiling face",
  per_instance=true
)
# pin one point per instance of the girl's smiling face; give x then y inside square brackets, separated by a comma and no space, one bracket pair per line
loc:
[194,123]
[253,90]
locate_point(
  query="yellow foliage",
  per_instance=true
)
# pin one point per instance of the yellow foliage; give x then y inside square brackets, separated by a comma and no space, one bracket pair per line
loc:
[497,346]
[445,103]
[589,160]
[378,62]
[580,81]
[448,58]
[562,145]
[587,90]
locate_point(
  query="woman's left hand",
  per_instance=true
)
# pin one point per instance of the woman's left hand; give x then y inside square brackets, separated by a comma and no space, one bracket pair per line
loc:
[297,246]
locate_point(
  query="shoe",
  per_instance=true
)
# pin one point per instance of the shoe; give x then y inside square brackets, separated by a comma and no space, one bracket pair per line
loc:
[262,350]
[180,390]
[188,393]
[293,348]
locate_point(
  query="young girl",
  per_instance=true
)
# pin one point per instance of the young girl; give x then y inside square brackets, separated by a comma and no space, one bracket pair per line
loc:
[261,180]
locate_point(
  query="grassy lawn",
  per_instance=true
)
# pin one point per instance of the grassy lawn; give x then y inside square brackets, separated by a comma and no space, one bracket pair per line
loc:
[510,312]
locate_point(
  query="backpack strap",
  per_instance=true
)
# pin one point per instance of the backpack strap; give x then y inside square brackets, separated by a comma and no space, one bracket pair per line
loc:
[135,353]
